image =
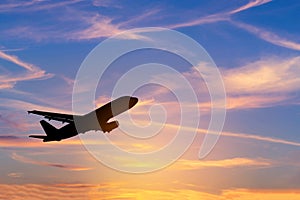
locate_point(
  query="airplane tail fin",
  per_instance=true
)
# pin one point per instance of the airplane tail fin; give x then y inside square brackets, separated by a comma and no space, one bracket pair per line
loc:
[48,128]
[51,133]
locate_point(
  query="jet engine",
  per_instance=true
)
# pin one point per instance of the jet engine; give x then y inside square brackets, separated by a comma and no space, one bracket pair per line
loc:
[110,126]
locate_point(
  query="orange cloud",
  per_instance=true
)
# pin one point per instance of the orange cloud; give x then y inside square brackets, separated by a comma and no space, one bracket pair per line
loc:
[263,83]
[271,75]
[227,163]
[26,142]
[111,191]
[254,101]
[245,194]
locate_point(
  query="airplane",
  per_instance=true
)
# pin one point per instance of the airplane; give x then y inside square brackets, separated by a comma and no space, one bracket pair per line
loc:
[94,120]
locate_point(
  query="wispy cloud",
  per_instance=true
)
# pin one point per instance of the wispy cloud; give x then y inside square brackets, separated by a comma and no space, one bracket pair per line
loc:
[267,82]
[17,61]
[241,135]
[25,106]
[15,175]
[254,137]
[13,121]
[90,25]
[105,3]
[50,164]
[94,26]
[203,20]
[270,76]
[254,101]
[222,16]
[268,36]
[12,141]
[97,26]
[8,6]
[259,32]
[227,163]
[32,72]
[251,4]
[33,5]
[141,17]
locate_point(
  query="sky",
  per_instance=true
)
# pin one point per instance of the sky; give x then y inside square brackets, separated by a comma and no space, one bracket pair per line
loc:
[255,46]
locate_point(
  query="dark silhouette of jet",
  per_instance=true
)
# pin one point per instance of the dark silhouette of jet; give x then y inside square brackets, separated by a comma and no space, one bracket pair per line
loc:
[95,120]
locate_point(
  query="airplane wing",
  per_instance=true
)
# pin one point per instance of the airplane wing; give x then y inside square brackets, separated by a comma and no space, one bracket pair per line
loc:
[54,116]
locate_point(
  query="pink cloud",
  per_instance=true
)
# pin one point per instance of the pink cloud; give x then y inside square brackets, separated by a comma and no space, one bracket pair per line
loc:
[222,16]
[251,4]
[50,164]
[268,36]
[32,72]
[33,5]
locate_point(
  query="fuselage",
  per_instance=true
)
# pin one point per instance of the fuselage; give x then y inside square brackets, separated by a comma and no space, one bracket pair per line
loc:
[95,120]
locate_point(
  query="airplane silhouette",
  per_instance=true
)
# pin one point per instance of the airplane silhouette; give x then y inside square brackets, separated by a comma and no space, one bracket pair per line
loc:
[95,120]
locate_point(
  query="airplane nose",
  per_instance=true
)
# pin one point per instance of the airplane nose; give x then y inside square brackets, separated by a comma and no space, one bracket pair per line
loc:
[133,101]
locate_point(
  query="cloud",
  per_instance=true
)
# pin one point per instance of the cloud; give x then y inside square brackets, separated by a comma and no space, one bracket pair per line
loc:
[15,175]
[272,78]
[25,106]
[97,26]
[111,191]
[43,163]
[222,16]
[227,163]
[268,36]
[254,137]
[69,81]
[18,142]
[13,121]
[226,16]
[203,20]
[17,61]
[88,26]
[32,72]
[260,138]
[250,4]
[261,194]
[52,192]
[257,137]
[267,82]
[33,5]
[106,3]
[140,18]
[5,7]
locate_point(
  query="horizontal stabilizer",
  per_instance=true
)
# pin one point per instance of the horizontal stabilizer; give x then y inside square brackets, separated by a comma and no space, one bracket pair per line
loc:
[38,136]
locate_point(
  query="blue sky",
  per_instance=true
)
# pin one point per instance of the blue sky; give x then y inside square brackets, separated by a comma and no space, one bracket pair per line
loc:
[254,43]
